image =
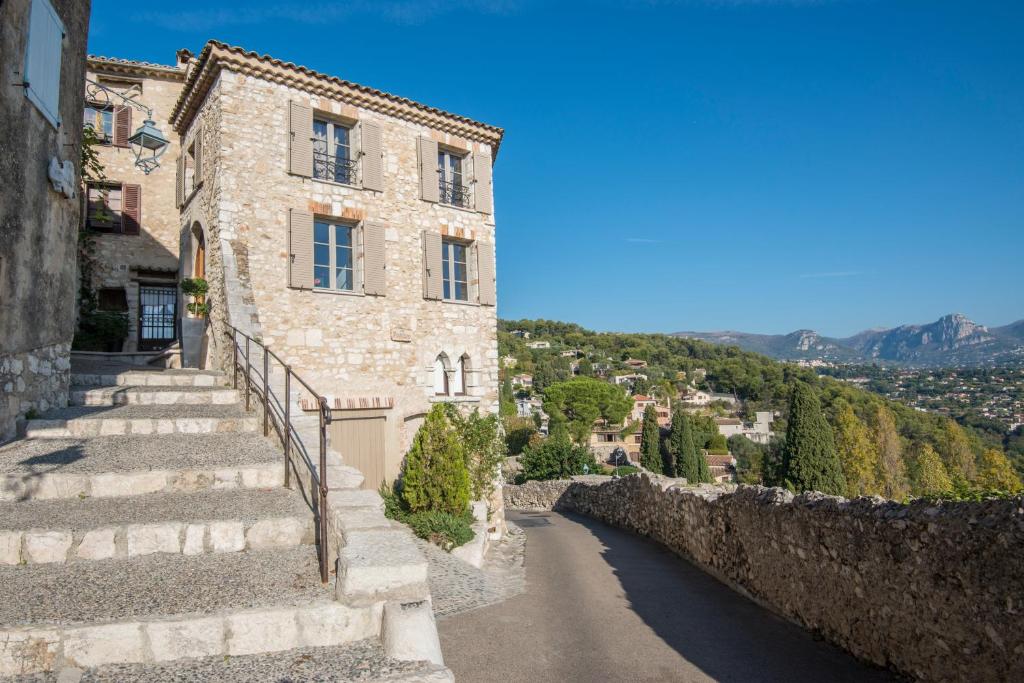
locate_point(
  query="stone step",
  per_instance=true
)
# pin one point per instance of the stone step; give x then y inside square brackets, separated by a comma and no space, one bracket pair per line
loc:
[67,530]
[81,421]
[118,395]
[114,466]
[152,377]
[157,608]
[364,661]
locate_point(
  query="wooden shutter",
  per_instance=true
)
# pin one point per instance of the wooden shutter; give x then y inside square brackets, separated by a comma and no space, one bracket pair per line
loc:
[372,155]
[487,295]
[43,57]
[300,146]
[197,157]
[131,209]
[429,188]
[179,182]
[482,183]
[122,125]
[374,261]
[433,283]
[300,249]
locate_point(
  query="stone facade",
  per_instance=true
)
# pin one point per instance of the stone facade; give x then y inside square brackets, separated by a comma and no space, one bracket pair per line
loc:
[38,224]
[933,591]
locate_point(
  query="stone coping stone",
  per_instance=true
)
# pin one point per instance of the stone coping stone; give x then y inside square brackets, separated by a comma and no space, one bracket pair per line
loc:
[376,564]
[363,661]
[80,514]
[136,453]
[154,586]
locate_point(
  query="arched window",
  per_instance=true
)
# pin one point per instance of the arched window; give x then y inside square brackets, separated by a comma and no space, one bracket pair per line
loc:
[459,376]
[441,387]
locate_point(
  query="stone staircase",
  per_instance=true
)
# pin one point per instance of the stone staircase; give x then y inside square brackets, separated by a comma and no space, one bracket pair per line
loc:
[145,534]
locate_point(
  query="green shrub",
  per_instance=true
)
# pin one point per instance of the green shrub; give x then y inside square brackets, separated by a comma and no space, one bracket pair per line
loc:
[100,331]
[556,458]
[483,448]
[435,476]
[442,528]
[625,470]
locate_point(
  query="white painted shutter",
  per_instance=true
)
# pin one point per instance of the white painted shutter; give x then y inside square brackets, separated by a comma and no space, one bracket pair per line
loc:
[43,55]
[300,135]
[482,187]
[300,249]
[372,158]
[433,283]
[374,261]
[429,188]
[486,288]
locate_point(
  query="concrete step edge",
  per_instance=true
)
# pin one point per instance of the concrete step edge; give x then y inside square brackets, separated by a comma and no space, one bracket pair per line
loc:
[115,426]
[122,395]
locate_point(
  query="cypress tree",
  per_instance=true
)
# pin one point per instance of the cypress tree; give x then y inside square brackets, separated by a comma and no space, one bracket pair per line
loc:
[688,458]
[650,441]
[809,458]
[435,476]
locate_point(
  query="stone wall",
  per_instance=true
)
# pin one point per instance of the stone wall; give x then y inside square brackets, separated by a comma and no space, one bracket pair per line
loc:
[932,591]
[38,225]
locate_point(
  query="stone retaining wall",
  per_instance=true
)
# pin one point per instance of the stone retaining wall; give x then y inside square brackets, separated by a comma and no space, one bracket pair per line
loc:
[33,380]
[932,591]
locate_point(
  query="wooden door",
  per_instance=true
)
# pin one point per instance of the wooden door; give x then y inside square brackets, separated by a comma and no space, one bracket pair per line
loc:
[361,442]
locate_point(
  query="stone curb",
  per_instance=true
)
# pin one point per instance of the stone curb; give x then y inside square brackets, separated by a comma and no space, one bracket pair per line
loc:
[116,396]
[151,379]
[109,426]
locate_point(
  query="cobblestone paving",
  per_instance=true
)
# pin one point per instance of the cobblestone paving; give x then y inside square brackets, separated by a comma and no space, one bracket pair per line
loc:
[457,587]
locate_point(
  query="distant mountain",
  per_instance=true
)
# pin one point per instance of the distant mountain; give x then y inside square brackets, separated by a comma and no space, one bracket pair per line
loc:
[952,340]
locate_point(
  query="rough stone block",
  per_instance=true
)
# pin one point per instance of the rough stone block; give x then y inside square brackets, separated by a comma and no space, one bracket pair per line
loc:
[170,640]
[380,563]
[355,498]
[409,632]
[263,631]
[25,651]
[227,537]
[146,539]
[225,479]
[107,644]
[10,547]
[50,486]
[98,544]
[111,484]
[195,535]
[192,480]
[335,624]
[263,476]
[277,533]
[112,427]
[344,477]
[47,546]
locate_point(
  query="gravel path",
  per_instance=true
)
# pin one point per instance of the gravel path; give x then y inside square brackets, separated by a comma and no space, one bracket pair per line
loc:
[143,411]
[158,585]
[134,453]
[79,514]
[360,661]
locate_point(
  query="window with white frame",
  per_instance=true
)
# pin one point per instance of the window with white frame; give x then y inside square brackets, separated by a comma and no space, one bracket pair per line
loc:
[333,256]
[332,152]
[441,387]
[455,270]
[451,178]
[100,117]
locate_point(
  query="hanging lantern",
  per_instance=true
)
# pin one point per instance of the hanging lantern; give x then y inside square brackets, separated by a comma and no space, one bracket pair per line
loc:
[148,144]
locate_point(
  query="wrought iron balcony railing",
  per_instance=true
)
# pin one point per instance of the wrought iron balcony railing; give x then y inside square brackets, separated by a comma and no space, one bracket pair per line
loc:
[334,168]
[454,194]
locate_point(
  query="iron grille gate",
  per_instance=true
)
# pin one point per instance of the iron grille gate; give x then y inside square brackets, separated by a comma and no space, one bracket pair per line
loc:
[158,317]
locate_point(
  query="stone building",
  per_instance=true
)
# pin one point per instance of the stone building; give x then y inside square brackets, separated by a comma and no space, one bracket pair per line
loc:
[42,60]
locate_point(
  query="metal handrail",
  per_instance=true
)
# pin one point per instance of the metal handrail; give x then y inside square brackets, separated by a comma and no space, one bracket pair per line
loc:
[281,422]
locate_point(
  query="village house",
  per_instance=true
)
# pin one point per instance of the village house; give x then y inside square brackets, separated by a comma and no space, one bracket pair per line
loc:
[509,361]
[522,380]
[635,363]
[723,468]
[758,431]
[539,345]
[640,403]
[629,379]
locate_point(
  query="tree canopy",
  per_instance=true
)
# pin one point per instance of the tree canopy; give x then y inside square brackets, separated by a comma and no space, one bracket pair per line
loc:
[579,402]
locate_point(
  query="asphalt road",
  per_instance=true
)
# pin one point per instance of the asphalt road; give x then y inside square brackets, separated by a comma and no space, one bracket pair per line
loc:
[604,605]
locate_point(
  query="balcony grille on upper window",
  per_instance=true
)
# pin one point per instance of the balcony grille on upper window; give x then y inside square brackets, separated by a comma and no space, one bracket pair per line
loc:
[450,179]
[332,152]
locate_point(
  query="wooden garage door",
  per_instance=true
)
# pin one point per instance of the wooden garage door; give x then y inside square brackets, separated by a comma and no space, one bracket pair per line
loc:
[360,440]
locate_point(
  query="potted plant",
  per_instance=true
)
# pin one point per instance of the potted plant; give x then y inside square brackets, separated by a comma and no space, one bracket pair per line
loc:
[196,288]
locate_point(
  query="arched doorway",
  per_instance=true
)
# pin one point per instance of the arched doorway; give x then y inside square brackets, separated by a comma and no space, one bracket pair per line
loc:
[199,262]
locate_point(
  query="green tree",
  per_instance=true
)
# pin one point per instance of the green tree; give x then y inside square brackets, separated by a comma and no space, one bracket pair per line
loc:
[957,455]
[578,403]
[996,473]
[650,441]
[482,446]
[749,459]
[690,463]
[857,453]
[809,461]
[704,429]
[892,470]
[928,474]
[435,476]
[718,444]
[506,399]
[556,457]
[519,432]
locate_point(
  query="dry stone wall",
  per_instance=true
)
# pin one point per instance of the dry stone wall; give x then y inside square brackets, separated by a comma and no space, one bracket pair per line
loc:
[934,591]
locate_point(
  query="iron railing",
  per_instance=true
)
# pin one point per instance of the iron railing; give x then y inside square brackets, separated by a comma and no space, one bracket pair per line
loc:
[454,194]
[333,168]
[277,415]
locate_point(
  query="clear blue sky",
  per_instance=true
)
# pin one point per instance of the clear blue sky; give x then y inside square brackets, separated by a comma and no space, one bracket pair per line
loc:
[722,164]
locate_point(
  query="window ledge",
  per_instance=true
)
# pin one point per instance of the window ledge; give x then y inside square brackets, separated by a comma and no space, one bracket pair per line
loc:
[340,292]
[453,206]
[454,399]
[336,183]
[459,302]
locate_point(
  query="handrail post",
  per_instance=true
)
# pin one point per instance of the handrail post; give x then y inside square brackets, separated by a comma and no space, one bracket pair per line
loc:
[287,426]
[324,550]
[266,391]
[248,373]
[234,359]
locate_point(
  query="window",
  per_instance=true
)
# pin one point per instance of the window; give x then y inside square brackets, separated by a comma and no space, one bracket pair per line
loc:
[441,376]
[332,152]
[333,256]
[454,270]
[104,208]
[112,299]
[191,181]
[459,377]
[450,173]
[101,118]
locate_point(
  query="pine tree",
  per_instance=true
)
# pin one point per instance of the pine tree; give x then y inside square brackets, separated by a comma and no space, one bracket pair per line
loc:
[435,476]
[857,453]
[650,441]
[892,470]
[996,473]
[809,459]
[929,474]
[958,456]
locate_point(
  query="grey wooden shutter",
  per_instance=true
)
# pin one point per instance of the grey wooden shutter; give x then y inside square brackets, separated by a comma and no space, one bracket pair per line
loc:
[300,134]
[433,284]
[131,209]
[179,180]
[482,183]
[429,188]
[372,155]
[122,125]
[300,249]
[374,261]
[197,156]
[487,294]
[43,57]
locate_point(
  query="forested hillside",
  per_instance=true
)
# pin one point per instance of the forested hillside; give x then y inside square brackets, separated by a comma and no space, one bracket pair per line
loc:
[762,384]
